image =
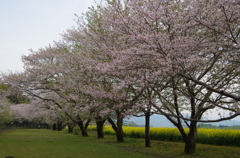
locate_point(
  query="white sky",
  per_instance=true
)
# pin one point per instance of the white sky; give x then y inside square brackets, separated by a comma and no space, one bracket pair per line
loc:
[32,24]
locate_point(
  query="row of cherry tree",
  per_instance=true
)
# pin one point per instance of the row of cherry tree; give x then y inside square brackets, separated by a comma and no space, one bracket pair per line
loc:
[5,115]
[16,109]
[177,58]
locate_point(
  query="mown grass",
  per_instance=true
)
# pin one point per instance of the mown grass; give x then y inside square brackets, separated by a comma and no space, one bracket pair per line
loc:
[165,149]
[30,143]
[33,143]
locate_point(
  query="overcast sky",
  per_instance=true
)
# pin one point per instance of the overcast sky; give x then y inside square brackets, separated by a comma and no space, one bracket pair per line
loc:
[32,24]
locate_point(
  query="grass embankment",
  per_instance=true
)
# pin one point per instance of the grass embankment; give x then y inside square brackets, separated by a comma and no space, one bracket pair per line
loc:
[29,143]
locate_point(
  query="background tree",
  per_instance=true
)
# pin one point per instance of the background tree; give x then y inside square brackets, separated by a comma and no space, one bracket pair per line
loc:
[46,77]
[5,113]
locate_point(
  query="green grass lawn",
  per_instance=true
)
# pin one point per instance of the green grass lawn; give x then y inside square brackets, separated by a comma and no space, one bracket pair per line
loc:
[34,143]
[164,149]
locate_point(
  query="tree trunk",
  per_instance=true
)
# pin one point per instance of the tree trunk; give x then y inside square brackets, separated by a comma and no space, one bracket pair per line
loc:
[83,127]
[54,127]
[83,130]
[59,125]
[100,122]
[70,127]
[147,129]
[118,127]
[120,134]
[191,139]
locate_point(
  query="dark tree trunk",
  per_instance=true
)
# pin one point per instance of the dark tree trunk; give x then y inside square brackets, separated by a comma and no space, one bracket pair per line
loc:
[70,127]
[118,127]
[59,126]
[191,139]
[83,130]
[54,127]
[147,129]
[100,122]
[83,127]
[120,134]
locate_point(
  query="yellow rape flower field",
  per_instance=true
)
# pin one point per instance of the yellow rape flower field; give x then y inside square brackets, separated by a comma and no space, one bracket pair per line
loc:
[228,137]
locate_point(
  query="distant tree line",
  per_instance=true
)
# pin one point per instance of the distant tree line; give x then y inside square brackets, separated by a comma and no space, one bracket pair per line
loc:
[218,126]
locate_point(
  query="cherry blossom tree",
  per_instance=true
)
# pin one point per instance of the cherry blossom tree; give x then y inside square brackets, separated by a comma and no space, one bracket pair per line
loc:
[48,76]
[5,114]
[34,114]
[101,88]
[192,45]
[219,21]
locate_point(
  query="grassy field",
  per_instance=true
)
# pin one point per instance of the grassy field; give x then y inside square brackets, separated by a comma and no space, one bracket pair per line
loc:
[165,149]
[30,143]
